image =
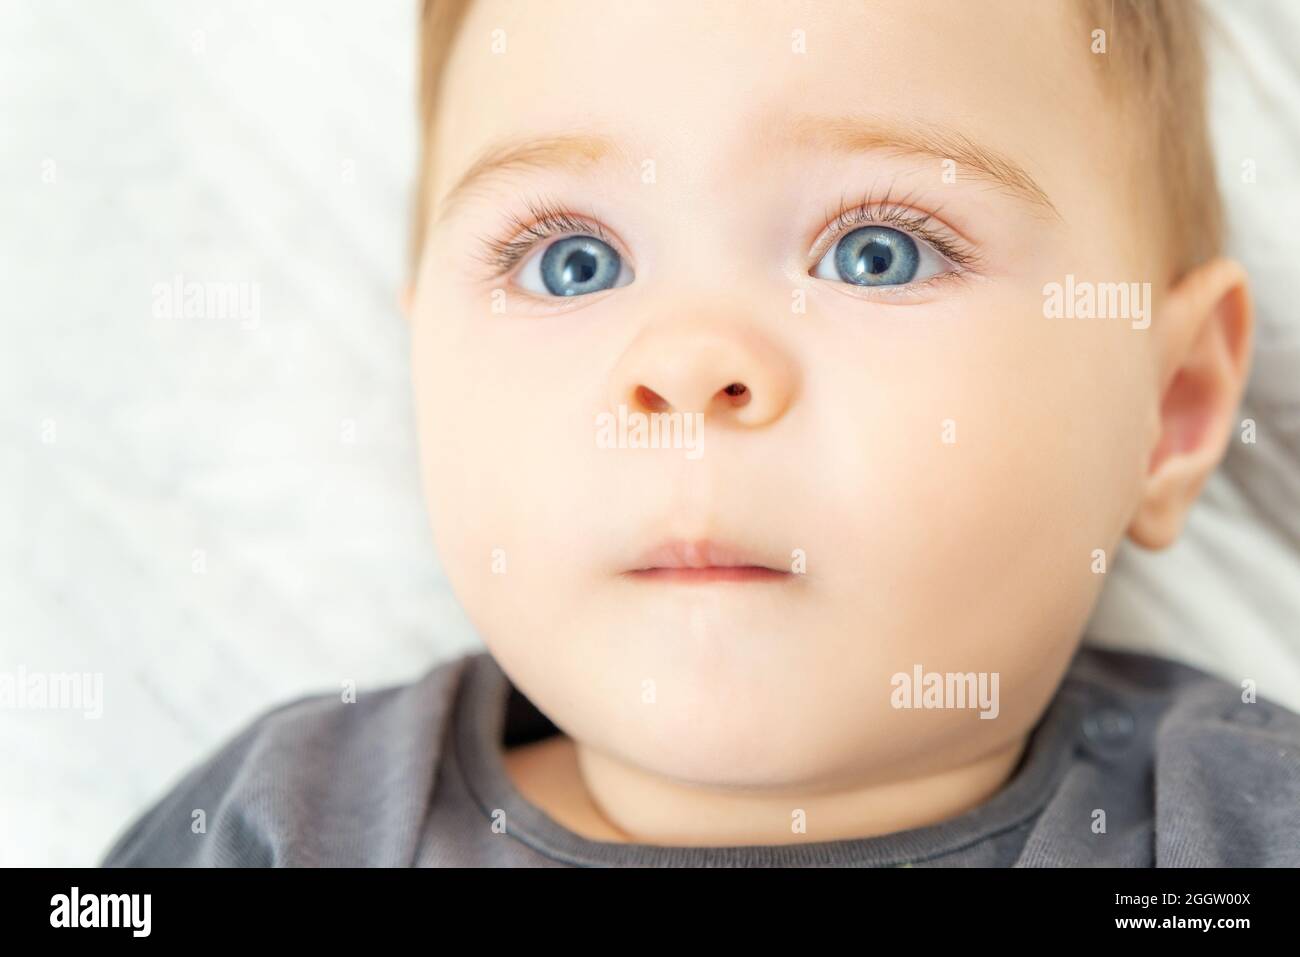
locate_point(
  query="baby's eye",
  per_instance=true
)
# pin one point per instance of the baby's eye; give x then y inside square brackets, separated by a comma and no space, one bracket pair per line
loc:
[574,266]
[878,256]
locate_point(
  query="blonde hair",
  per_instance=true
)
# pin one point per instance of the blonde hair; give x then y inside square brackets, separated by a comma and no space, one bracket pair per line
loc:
[1153,72]
[439,23]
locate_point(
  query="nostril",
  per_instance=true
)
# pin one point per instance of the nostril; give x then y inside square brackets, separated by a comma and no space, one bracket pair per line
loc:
[737,393]
[650,400]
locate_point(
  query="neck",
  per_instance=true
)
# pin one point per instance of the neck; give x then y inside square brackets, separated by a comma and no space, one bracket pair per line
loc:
[646,808]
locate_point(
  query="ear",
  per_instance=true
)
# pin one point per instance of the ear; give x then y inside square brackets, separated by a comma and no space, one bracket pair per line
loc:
[1207,331]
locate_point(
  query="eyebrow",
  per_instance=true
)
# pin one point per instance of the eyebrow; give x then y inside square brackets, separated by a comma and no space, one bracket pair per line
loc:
[572,151]
[864,134]
[846,135]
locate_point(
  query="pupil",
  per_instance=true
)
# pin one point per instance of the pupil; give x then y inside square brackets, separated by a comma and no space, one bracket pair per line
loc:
[581,266]
[879,256]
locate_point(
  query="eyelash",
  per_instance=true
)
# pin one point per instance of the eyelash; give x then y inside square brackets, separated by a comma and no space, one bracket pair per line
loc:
[898,214]
[545,219]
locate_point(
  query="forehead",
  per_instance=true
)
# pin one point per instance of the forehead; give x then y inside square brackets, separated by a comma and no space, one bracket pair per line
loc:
[708,83]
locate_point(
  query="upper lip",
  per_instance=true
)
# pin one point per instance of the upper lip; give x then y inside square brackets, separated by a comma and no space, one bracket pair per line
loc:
[698,553]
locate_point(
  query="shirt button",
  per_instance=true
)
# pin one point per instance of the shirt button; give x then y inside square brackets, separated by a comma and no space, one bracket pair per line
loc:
[1109,730]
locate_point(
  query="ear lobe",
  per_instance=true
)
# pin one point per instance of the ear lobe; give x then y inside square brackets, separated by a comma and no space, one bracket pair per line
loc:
[1208,332]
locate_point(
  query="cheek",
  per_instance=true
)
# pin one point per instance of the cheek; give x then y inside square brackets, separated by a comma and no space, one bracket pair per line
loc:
[994,452]
[506,444]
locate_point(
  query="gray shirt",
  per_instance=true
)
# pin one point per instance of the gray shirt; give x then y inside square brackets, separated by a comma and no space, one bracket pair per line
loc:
[412,775]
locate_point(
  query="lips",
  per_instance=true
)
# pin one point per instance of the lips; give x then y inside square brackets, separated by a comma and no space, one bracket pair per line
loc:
[700,561]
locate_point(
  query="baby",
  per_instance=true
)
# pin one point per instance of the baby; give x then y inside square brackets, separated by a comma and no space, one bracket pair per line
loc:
[787,374]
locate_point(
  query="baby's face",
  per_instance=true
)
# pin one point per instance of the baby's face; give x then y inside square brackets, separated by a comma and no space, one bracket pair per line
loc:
[923,462]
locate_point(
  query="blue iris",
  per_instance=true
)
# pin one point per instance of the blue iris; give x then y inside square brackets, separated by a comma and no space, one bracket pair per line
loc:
[877,256]
[579,265]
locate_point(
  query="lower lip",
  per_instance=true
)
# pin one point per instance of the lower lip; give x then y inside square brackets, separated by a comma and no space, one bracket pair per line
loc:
[717,573]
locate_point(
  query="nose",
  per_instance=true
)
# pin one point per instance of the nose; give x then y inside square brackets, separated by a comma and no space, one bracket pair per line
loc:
[731,373]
